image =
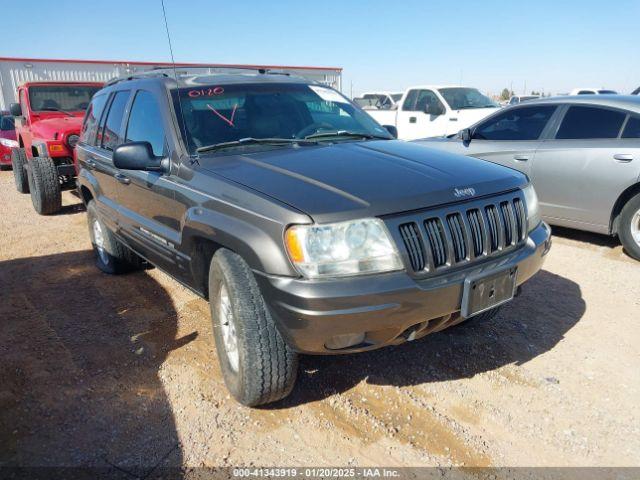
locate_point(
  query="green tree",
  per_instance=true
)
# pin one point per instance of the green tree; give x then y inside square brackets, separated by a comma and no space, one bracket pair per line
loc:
[505,95]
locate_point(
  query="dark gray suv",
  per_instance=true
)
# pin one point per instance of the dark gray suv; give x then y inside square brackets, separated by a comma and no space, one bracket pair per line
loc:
[306,225]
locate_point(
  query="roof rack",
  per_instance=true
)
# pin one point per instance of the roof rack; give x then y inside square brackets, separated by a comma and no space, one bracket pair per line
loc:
[168,71]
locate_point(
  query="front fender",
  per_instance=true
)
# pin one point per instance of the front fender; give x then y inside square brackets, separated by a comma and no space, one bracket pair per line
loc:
[261,246]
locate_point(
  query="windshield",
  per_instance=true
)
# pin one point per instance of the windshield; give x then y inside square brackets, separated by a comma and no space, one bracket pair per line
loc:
[215,114]
[396,97]
[66,98]
[6,123]
[460,98]
[607,92]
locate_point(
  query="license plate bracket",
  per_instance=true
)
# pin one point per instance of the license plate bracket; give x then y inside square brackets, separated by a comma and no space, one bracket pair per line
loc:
[483,292]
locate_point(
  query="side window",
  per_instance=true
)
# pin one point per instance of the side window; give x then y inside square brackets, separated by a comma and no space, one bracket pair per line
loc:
[145,123]
[23,103]
[585,92]
[590,122]
[91,119]
[427,101]
[409,104]
[111,136]
[632,130]
[516,124]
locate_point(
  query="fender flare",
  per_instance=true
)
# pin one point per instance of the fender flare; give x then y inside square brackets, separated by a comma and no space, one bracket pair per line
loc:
[262,248]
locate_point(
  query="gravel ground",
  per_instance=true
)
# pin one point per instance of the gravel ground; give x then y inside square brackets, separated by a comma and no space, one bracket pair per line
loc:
[121,372]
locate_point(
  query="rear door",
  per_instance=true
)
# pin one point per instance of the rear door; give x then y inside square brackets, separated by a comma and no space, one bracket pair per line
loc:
[510,138]
[414,122]
[580,171]
[97,154]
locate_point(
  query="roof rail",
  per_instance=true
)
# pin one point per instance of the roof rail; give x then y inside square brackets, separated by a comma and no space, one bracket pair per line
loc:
[146,74]
[168,71]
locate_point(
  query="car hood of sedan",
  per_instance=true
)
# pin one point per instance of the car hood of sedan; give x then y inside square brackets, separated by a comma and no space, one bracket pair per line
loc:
[349,180]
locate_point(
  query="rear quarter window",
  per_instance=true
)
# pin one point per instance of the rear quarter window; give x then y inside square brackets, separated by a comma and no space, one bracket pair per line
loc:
[581,122]
[111,135]
[92,118]
[632,130]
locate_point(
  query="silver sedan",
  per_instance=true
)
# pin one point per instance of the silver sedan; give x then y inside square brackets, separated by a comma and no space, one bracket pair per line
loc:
[582,154]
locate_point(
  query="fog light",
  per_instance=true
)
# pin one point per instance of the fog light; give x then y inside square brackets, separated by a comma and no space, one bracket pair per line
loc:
[344,341]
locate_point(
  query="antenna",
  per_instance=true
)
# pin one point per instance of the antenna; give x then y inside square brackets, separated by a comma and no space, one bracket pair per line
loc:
[175,74]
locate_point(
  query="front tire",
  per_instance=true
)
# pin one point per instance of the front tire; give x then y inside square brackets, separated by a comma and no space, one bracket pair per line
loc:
[44,185]
[257,365]
[629,227]
[111,255]
[18,163]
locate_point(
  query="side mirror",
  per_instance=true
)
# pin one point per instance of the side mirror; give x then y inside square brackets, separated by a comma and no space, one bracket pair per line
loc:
[137,156]
[392,130]
[15,109]
[465,135]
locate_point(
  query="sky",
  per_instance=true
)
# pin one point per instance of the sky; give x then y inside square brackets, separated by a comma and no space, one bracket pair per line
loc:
[549,46]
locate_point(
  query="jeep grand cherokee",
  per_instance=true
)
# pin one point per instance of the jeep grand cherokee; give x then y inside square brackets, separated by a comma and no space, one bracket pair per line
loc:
[306,225]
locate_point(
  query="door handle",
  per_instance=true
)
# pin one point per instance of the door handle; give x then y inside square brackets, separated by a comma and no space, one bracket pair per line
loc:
[412,119]
[91,163]
[122,178]
[623,157]
[521,158]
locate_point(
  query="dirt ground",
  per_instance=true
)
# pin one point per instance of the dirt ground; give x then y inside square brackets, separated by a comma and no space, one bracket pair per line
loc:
[121,372]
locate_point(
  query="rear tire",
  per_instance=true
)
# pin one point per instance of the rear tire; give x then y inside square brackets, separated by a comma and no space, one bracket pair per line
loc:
[44,185]
[111,255]
[629,227]
[18,163]
[257,365]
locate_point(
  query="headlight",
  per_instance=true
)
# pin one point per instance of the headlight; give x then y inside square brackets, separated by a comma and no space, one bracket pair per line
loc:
[533,208]
[341,249]
[8,143]
[72,140]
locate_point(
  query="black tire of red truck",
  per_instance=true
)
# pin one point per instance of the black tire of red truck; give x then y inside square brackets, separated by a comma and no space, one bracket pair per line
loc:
[44,185]
[18,163]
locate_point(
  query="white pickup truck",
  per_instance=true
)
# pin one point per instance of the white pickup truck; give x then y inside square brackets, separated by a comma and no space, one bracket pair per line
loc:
[435,111]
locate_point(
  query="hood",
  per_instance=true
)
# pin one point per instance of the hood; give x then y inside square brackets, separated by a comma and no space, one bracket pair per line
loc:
[362,179]
[46,128]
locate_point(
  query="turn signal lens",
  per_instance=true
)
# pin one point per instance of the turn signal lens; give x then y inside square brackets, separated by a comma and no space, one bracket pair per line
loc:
[56,148]
[294,245]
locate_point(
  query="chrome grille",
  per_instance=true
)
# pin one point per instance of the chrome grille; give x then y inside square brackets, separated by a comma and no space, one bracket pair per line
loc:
[461,233]
[413,244]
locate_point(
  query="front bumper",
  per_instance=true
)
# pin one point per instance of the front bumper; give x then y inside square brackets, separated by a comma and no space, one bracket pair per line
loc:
[387,308]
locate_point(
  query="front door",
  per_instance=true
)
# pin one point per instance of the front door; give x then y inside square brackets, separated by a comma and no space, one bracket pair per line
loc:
[510,138]
[150,215]
[422,115]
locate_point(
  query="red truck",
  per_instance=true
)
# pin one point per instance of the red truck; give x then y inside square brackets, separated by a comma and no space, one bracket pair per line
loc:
[48,119]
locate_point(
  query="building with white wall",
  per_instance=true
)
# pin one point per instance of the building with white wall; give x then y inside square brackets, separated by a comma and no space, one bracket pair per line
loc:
[16,71]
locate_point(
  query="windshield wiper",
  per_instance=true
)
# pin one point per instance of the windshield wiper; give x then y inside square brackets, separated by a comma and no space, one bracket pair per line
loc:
[347,133]
[54,109]
[253,141]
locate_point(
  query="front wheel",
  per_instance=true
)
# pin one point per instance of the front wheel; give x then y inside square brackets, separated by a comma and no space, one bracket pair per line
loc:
[257,365]
[629,227]
[44,185]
